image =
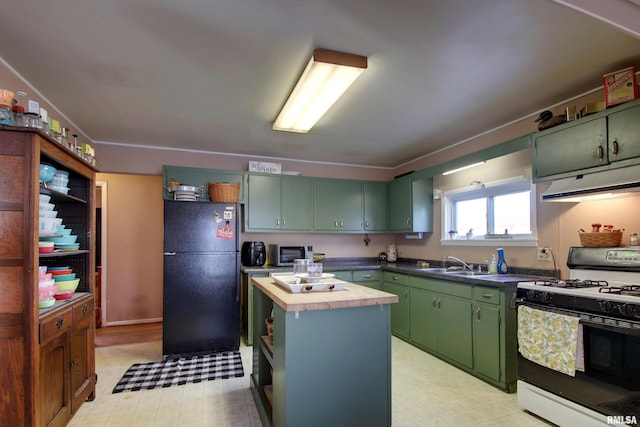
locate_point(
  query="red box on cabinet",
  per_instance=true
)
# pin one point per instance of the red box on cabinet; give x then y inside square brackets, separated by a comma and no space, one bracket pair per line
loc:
[620,86]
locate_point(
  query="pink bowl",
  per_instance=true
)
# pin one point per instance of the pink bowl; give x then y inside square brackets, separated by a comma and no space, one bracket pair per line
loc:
[48,291]
[45,283]
[45,277]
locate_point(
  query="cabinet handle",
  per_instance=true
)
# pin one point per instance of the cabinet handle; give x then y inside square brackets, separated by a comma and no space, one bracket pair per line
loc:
[406,296]
[366,224]
[395,277]
[408,220]
[433,302]
[614,147]
[85,308]
[600,152]
[341,224]
[487,295]
[438,303]
[478,313]
[335,223]
[284,222]
[366,276]
[278,221]
[73,364]
[59,322]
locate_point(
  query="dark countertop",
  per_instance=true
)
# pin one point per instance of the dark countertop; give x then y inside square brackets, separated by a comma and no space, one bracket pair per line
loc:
[411,267]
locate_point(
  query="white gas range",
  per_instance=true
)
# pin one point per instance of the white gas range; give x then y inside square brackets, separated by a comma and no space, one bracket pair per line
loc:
[603,294]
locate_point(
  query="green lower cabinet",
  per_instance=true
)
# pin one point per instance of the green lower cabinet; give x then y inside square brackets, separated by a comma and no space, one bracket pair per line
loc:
[342,275]
[369,278]
[400,312]
[486,341]
[442,323]
[246,306]
[495,335]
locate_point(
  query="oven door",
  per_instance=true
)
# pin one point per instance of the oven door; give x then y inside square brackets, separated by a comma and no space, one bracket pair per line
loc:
[610,383]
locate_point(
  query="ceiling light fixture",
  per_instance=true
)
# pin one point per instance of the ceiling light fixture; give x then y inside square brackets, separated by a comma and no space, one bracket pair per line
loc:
[463,168]
[326,77]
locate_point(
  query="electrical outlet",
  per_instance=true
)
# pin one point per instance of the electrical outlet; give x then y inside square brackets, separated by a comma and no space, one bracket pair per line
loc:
[544,254]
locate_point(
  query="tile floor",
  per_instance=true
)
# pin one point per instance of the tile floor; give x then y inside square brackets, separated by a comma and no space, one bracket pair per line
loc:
[426,392]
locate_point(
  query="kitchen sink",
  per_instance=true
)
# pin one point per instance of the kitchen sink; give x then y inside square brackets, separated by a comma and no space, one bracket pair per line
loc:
[468,273]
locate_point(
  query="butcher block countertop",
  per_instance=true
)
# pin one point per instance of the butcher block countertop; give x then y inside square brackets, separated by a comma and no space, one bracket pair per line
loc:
[353,296]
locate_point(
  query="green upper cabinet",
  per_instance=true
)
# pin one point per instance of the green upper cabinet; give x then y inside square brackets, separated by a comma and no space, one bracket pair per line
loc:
[376,203]
[200,177]
[337,205]
[276,202]
[624,134]
[601,141]
[573,148]
[411,204]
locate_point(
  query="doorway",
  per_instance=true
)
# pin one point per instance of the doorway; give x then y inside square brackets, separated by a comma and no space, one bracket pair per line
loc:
[101,254]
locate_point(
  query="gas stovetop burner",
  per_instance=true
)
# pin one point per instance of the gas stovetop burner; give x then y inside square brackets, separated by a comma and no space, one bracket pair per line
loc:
[633,290]
[573,283]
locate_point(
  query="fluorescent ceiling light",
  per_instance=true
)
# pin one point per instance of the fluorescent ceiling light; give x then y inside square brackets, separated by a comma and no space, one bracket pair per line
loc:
[463,168]
[326,77]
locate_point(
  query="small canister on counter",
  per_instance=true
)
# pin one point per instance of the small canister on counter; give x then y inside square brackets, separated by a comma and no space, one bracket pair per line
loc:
[633,239]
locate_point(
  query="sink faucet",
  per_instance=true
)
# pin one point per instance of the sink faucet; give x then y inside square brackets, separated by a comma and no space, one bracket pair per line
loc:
[466,266]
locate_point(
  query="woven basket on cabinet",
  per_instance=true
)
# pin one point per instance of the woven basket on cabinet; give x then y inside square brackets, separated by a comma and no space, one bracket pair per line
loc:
[224,192]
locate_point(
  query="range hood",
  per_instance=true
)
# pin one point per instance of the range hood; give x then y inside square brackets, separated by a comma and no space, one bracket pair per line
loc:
[598,185]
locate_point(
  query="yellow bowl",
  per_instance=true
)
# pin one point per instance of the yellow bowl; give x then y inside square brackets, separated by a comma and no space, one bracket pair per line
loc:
[68,285]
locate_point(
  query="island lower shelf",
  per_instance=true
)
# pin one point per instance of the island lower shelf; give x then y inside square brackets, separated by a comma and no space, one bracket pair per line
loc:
[327,366]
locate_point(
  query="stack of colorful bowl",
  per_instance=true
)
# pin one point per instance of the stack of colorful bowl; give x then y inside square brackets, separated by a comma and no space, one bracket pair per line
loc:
[53,234]
[65,280]
[47,288]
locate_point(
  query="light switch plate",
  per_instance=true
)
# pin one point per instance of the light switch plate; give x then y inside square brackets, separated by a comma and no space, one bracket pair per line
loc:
[544,254]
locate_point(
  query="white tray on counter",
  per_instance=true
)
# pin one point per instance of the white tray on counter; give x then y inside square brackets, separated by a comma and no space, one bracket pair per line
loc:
[295,285]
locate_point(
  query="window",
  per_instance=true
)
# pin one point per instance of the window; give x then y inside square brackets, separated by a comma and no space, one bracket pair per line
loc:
[495,213]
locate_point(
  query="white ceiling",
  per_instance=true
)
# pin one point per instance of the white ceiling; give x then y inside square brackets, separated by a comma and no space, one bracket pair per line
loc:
[212,74]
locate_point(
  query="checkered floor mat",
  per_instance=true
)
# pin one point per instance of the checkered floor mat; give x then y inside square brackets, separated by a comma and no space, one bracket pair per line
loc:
[185,370]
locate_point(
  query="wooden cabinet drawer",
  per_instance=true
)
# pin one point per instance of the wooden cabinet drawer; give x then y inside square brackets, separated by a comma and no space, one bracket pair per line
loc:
[55,325]
[391,277]
[366,275]
[82,310]
[488,295]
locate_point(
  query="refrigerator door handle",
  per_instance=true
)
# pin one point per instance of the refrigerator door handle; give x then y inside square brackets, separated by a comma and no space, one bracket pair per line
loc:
[170,253]
[238,283]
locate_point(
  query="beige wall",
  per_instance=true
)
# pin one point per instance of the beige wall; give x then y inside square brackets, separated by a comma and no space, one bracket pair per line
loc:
[132,273]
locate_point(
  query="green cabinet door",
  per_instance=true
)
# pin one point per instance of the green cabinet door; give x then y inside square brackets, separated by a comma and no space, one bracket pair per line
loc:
[424,328]
[624,134]
[338,205]
[454,330]
[400,321]
[486,341]
[297,203]
[264,202]
[400,204]
[376,203]
[575,147]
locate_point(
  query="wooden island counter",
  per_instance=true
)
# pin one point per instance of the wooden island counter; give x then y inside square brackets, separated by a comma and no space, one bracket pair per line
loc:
[330,361]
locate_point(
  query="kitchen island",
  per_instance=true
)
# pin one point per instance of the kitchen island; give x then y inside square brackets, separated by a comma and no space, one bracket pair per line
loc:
[330,360]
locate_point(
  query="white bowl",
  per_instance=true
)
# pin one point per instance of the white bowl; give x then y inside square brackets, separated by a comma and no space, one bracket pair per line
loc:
[46,283]
[46,206]
[48,214]
[48,225]
[59,189]
[59,180]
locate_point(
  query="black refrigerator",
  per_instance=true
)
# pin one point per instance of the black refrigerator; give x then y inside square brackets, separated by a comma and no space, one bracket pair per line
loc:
[201,300]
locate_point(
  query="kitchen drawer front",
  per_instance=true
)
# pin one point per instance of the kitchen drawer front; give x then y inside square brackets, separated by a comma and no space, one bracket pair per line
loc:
[455,289]
[488,295]
[366,275]
[82,310]
[342,275]
[391,277]
[55,325]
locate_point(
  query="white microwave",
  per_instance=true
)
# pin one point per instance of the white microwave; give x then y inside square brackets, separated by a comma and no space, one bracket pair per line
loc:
[283,255]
